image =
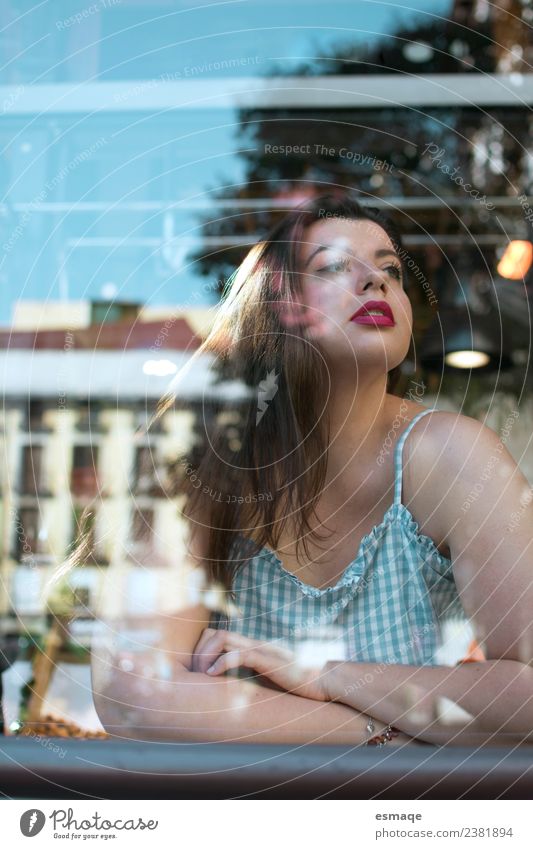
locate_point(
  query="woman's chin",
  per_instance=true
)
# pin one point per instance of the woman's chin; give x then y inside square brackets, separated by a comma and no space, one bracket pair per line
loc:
[366,359]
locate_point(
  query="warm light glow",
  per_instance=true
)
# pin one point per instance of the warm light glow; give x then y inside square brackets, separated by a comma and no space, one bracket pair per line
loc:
[159,368]
[516,260]
[466,359]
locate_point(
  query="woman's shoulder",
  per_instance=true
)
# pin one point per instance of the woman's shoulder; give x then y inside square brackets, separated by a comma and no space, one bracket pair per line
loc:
[446,454]
[438,424]
[451,432]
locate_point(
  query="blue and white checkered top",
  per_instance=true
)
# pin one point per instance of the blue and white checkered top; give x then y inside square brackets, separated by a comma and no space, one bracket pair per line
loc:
[388,605]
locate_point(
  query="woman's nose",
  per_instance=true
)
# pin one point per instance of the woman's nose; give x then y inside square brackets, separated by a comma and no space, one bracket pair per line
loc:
[373,279]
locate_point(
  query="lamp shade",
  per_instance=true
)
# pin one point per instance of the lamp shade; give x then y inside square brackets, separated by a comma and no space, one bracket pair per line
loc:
[461,339]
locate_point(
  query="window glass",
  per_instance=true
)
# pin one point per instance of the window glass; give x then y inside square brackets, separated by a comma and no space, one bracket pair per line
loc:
[144,149]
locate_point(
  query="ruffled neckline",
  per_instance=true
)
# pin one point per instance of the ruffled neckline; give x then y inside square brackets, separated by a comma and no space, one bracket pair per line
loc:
[353,572]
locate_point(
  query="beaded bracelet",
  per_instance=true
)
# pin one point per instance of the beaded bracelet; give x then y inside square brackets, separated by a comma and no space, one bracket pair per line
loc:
[384,737]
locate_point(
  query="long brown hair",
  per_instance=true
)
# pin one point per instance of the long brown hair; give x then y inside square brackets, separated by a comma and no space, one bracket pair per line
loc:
[274,458]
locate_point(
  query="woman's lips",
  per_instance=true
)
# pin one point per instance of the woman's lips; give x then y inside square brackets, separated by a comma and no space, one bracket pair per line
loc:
[382,314]
[365,318]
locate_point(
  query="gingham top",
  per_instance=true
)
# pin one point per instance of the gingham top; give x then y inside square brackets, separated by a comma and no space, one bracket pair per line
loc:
[388,605]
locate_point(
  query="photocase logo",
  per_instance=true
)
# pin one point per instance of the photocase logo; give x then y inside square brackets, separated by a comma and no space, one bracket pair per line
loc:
[267,390]
[32,822]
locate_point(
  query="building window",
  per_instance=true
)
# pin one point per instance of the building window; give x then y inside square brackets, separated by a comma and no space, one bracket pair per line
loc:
[35,417]
[84,477]
[146,473]
[146,418]
[84,535]
[31,480]
[83,602]
[88,417]
[103,312]
[26,542]
[142,529]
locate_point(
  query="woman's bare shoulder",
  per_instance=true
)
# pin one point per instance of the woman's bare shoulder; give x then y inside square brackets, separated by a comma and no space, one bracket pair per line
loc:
[443,457]
[436,423]
[454,432]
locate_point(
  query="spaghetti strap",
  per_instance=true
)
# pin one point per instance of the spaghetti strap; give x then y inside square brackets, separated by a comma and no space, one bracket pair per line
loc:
[398,456]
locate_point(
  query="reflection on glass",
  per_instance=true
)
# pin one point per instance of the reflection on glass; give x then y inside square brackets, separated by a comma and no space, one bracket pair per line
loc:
[302,602]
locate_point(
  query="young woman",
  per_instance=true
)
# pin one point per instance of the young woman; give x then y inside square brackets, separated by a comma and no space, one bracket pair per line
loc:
[330,519]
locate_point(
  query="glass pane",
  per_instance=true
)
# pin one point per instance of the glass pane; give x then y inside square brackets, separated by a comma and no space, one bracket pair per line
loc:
[154,489]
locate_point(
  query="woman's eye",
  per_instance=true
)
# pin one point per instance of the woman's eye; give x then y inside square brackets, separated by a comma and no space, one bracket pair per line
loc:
[337,265]
[395,271]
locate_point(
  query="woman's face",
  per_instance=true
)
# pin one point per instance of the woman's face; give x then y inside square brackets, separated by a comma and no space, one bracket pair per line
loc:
[343,264]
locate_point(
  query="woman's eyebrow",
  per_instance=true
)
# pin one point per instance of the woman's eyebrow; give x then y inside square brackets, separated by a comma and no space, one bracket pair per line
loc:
[380,252]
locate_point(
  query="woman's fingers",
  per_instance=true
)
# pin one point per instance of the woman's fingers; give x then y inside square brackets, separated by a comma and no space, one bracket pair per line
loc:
[203,638]
[265,658]
[206,635]
[215,642]
[206,649]
[236,657]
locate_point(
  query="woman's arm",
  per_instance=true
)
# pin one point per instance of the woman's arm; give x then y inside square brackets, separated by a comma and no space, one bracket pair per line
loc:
[422,701]
[144,687]
[198,708]
[495,699]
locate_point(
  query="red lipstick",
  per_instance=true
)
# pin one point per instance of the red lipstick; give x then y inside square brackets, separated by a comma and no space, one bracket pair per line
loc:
[364,316]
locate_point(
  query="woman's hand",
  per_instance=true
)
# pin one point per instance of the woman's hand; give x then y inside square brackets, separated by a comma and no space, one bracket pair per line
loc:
[205,651]
[218,650]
